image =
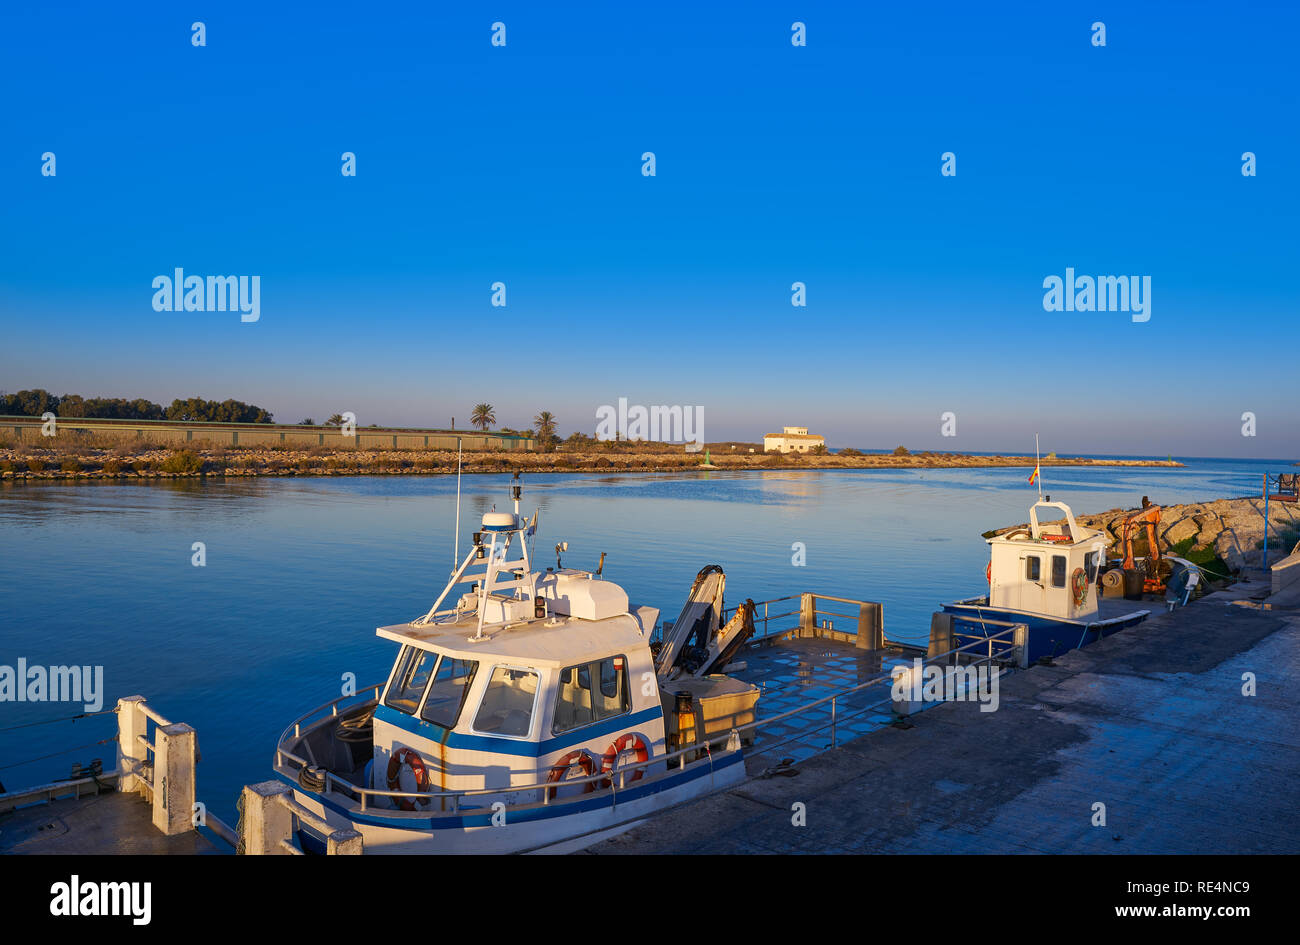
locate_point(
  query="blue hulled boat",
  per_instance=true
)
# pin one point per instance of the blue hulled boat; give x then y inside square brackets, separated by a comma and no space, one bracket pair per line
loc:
[1045,576]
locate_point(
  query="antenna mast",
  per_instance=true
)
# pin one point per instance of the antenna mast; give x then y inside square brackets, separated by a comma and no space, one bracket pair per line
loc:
[455,554]
[1038,468]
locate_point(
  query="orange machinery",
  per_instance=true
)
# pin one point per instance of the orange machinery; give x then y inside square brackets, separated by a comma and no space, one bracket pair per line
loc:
[1149,517]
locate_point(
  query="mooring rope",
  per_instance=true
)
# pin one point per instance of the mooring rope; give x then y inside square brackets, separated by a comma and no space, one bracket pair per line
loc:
[102,741]
[70,718]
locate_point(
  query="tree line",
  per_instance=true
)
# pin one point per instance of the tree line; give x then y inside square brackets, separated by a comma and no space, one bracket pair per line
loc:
[33,403]
[544,429]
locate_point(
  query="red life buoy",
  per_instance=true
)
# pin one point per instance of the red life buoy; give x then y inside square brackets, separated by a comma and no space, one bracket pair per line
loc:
[1079,584]
[628,741]
[988,572]
[407,756]
[560,770]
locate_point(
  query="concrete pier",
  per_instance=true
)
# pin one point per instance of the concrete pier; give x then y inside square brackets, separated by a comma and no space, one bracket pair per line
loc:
[113,823]
[1151,723]
[145,804]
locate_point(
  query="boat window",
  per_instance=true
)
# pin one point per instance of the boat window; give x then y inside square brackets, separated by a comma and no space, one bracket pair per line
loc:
[1033,568]
[1058,570]
[507,707]
[613,698]
[578,704]
[447,694]
[573,705]
[1093,562]
[414,666]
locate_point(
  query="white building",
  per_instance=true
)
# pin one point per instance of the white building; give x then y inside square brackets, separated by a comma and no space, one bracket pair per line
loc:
[792,440]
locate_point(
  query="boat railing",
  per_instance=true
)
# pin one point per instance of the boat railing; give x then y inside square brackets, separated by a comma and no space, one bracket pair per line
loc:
[449,803]
[810,614]
[331,708]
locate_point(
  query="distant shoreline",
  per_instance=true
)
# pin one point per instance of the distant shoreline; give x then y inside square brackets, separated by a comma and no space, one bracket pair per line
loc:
[124,463]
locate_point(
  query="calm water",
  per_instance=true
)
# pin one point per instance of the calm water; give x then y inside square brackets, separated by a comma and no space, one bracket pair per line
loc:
[300,571]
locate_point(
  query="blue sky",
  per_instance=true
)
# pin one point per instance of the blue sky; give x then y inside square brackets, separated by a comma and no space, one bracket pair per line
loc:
[775,164]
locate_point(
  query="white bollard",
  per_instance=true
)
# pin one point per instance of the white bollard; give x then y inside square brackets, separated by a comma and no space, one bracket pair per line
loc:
[344,843]
[131,723]
[266,819]
[1020,638]
[900,691]
[173,778]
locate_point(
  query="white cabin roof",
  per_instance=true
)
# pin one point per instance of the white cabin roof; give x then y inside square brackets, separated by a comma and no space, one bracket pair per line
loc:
[556,641]
[1049,533]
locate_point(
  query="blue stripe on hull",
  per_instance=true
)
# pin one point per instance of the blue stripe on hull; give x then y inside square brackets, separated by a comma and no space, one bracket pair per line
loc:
[1048,636]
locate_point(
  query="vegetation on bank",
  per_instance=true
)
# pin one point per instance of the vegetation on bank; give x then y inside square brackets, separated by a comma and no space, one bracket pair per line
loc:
[1202,557]
[71,454]
[34,403]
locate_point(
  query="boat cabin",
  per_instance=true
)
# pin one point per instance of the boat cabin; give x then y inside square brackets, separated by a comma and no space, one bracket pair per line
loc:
[1047,569]
[531,676]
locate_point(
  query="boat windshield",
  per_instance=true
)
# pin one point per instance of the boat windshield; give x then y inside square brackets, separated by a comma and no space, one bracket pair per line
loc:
[446,679]
[411,676]
[451,682]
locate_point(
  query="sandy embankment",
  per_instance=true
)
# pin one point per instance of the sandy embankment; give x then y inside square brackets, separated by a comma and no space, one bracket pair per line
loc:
[128,461]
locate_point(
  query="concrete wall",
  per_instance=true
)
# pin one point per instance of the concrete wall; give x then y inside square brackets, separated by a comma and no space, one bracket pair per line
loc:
[28,429]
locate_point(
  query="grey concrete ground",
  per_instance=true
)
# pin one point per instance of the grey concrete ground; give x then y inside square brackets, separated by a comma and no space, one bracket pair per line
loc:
[1152,723]
[104,824]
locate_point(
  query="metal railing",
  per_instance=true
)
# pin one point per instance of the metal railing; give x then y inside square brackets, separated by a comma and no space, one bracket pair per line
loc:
[768,617]
[56,790]
[765,619]
[617,779]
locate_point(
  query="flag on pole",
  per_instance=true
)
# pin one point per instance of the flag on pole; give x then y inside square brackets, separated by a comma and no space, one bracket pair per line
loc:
[1033,476]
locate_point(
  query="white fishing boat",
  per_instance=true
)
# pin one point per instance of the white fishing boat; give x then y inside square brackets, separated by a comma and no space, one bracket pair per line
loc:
[1048,577]
[1045,576]
[528,711]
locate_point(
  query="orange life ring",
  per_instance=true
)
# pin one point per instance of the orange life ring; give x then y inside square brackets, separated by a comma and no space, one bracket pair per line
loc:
[988,572]
[627,741]
[408,756]
[1079,584]
[561,769]
[1057,538]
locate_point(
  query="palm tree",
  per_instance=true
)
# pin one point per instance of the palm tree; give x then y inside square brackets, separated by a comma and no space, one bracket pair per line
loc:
[483,416]
[545,424]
